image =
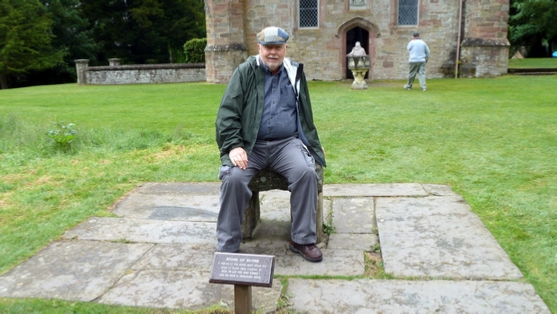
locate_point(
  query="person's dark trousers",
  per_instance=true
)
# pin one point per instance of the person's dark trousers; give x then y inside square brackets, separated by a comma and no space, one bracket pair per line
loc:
[288,157]
[416,68]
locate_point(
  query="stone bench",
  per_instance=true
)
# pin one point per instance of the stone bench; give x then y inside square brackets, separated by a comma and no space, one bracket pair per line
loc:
[266,180]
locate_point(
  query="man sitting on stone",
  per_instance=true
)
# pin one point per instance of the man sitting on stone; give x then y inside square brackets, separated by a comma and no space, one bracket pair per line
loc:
[265,120]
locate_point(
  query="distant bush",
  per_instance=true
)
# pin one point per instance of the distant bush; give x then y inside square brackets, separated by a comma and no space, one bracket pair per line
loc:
[194,50]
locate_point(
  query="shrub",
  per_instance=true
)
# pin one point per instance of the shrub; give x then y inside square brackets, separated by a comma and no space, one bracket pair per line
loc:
[62,135]
[195,50]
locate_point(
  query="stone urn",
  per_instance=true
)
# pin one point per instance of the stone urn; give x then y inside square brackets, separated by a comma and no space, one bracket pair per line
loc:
[359,65]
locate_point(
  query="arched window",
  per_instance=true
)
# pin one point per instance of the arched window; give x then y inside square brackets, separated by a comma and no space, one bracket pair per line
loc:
[308,13]
[407,12]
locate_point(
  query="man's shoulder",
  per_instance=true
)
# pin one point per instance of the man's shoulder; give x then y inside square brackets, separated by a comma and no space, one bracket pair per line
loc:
[292,62]
[248,65]
[417,42]
[251,60]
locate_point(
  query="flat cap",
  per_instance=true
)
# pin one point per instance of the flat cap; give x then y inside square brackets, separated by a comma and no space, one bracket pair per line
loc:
[272,35]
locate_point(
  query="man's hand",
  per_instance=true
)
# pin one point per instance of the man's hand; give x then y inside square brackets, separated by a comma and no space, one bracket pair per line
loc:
[239,158]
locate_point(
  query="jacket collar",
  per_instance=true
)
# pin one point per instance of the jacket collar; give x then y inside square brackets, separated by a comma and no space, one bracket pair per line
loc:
[290,67]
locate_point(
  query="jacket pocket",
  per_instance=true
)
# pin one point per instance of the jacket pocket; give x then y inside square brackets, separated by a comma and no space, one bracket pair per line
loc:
[223,171]
[307,155]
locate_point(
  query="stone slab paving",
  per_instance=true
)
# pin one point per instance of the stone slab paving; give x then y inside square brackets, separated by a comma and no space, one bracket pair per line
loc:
[71,270]
[383,190]
[349,241]
[171,201]
[188,256]
[170,207]
[335,263]
[439,190]
[275,205]
[185,289]
[158,253]
[400,296]
[354,215]
[189,188]
[439,237]
[143,230]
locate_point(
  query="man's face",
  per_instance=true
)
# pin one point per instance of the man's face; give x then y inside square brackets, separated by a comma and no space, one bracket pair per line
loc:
[272,55]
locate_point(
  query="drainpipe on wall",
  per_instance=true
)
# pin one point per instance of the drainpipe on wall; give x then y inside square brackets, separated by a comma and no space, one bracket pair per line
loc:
[458,40]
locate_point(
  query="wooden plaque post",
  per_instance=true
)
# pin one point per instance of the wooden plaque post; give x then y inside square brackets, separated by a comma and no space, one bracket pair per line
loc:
[243,271]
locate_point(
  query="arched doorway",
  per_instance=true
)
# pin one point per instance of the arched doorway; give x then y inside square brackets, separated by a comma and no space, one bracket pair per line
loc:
[352,36]
[351,31]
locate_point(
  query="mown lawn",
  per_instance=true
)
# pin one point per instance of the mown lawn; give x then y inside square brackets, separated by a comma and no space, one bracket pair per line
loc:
[494,141]
[550,63]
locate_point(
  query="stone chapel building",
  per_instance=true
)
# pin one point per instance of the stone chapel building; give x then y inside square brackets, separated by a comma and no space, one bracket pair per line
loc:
[322,32]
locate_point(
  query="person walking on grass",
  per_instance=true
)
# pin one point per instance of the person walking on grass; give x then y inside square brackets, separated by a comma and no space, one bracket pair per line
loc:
[265,120]
[419,54]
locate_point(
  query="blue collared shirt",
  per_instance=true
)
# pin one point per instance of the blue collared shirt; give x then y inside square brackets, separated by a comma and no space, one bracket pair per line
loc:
[278,120]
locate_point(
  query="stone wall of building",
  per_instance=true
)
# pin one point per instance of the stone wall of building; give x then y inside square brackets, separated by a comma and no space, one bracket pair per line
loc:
[323,49]
[138,74]
[226,47]
[484,57]
[485,49]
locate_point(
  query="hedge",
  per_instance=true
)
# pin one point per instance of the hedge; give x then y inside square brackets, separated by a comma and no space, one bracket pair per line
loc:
[195,50]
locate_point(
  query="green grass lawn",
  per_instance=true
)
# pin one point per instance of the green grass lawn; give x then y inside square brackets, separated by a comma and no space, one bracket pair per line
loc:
[550,63]
[494,141]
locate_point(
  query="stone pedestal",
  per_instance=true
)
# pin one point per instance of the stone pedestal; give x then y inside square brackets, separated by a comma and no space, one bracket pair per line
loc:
[359,67]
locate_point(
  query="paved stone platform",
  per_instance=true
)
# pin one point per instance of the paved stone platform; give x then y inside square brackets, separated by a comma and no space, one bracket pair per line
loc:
[158,251]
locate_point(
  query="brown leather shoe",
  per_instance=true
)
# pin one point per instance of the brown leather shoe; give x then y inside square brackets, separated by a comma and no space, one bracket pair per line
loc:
[309,252]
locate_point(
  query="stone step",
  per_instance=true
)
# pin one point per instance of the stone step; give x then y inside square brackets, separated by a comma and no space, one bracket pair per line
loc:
[532,71]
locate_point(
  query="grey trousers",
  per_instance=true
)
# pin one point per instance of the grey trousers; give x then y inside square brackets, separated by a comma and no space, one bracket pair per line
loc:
[288,157]
[419,69]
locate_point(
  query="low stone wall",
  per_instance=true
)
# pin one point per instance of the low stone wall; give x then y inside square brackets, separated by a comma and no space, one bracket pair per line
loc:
[484,57]
[138,73]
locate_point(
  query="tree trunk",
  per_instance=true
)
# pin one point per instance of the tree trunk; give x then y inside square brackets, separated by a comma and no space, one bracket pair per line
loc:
[3,81]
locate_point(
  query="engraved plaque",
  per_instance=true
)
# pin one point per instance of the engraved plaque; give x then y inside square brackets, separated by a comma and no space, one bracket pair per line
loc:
[358,4]
[243,269]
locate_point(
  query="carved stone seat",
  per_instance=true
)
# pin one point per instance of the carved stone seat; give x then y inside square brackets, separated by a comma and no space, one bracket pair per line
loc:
[266,180]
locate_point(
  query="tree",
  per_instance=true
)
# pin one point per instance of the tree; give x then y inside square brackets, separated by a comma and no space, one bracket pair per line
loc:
[109,28]
[71,36]
[25,38]
[183,25]
[145,31]
[533,23]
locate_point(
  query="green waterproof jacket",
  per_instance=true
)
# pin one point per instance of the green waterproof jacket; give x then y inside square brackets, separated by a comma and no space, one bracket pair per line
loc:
[240,111]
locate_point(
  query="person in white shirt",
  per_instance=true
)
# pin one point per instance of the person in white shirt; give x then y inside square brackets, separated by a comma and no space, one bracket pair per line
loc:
[419,54]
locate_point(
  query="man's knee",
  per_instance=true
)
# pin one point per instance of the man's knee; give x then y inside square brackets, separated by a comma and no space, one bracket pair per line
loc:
[235,183]
[232,174]
[305,175]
